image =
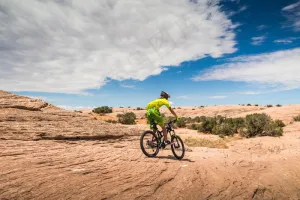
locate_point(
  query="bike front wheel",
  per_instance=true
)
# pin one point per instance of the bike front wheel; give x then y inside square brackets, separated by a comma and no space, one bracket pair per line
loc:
[149,144]
[177,147]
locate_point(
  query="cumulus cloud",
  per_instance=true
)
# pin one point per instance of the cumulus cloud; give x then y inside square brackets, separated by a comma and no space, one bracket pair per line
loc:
[71,46]
[258,40]
[292,13]
[278,69]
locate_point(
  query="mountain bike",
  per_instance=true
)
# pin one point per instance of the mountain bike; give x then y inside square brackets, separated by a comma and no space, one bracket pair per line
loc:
[153,140]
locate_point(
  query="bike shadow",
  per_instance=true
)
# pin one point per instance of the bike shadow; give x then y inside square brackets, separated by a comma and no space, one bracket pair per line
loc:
[173,158]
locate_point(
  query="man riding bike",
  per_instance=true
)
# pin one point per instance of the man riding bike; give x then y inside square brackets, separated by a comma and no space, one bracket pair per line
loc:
[153,114]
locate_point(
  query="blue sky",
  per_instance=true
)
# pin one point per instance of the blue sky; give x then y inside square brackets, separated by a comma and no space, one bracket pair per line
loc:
[228,52]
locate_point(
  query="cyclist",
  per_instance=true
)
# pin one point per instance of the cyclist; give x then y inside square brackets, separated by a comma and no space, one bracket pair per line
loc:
[153,114]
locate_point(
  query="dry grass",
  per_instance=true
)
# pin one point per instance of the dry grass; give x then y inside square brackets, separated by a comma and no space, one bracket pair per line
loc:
[219,144]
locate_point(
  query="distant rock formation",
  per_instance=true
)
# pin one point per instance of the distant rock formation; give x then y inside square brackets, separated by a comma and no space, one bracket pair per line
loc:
[24,118]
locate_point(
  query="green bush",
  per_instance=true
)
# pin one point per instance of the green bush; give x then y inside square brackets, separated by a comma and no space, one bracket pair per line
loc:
[260,125]
[223,129]
[235,123]
[111,121]
[193,126]
[138,108]
[256,104]
[181,123]
[297,118]
[279,123]
[269,106]
[127,118]
[102,110]
[207,125]
[199,119]
[278,105]
[249,104]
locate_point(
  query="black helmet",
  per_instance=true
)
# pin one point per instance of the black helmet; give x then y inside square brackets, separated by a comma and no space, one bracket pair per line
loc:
[164,95]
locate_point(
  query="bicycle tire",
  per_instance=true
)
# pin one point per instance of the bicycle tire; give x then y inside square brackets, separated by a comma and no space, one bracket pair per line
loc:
[174,141]
[142,143]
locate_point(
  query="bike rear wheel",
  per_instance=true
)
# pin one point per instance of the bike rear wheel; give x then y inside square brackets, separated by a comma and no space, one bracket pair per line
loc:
[177,147]
[149,144]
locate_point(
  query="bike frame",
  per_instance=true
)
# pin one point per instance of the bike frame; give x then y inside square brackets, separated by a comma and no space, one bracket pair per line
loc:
[160,135]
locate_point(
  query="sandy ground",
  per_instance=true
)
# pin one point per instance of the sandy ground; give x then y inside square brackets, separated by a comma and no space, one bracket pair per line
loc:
[49,153]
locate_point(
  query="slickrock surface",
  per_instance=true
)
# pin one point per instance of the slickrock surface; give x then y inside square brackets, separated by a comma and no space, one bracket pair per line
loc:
[106,161]
[33,119]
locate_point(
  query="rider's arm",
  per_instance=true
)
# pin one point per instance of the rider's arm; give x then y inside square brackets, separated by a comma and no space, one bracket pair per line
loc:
[172,111]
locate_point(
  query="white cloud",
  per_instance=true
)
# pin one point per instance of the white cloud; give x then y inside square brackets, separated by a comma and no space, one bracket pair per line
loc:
[183,97]
[241,9]
[284,41]
[66,107]
[218,97]
[39,97]
[291,7]
[277,69]
[258,40]
[127,86]
[70,46]
[292,13]
[288,40]
[261,27]
[248,93]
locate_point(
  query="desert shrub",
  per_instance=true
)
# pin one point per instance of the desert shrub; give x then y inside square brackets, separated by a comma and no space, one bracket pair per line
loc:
[256,104]
[193,109]
[181,123]
[297,118]
[260,125]
[278,105]
[223,128]
[121,107]
[102,110]
[235,123]
[249,104]
[269,105]
[127,118]
[193,126]
[199,119]
[139,108]
[111,121]
[178,108]
[279,123]
[128,107]
[207,125]
[196,119]
[201,106]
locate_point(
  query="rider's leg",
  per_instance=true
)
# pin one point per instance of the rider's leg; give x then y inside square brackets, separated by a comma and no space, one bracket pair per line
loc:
[164,130]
